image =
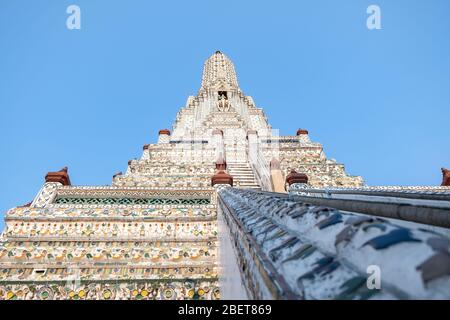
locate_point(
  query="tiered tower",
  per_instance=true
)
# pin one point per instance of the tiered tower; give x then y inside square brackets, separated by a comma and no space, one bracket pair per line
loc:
[152,234]
[222,122]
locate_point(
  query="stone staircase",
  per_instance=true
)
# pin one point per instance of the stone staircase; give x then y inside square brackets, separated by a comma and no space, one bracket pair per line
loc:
[243,176]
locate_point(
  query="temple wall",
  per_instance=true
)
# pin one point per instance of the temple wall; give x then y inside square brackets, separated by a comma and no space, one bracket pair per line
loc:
[111,243]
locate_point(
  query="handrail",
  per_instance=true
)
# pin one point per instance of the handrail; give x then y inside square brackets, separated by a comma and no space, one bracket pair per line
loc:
[273,236]
[260,169]
[271,277]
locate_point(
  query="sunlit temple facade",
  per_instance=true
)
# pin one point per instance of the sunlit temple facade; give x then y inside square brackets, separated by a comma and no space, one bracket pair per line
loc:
[222,206]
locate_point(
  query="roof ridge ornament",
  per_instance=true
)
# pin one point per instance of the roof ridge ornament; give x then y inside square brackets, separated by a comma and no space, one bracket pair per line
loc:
[61,176]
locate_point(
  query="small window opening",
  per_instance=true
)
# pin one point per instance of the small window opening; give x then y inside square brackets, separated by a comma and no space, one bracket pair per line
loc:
[223,94]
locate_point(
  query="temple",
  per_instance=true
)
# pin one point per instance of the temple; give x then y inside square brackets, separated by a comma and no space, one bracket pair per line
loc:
[222,206]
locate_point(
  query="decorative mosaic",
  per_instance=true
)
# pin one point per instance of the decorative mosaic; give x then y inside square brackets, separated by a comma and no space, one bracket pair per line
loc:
[130,201]
[100,230]
[127,290]
[132,272]
[46,194]
[48,252]
[100,212]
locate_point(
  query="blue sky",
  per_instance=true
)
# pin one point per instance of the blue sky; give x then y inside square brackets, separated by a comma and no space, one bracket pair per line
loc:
[379,101]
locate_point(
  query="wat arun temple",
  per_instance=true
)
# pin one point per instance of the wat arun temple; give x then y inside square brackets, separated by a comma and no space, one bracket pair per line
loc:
[223,207]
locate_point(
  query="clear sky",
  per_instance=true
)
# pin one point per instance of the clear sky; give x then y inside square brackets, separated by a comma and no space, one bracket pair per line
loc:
[378,100]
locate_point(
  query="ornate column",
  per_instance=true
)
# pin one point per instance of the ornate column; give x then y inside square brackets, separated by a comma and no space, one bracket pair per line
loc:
[276,176]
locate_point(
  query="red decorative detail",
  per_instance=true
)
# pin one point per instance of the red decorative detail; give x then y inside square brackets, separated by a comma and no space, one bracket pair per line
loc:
[217,131]
[302,131]
[295,177]
[129,162]
[164,131]
[445,177]
[145,147]
[221,177]
[60,176]
[221,164]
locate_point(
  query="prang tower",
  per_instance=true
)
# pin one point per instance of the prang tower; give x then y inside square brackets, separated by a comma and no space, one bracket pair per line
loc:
[222,124]
[152,234]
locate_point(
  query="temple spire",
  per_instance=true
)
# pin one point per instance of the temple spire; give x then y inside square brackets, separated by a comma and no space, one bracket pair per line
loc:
[219,74]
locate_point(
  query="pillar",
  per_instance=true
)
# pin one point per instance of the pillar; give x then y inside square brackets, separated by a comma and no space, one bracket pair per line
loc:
[217,136]
[164,136]
[276,176]
[252,137]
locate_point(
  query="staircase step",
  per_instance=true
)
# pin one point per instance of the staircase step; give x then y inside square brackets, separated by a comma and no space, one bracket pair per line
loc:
[243,175]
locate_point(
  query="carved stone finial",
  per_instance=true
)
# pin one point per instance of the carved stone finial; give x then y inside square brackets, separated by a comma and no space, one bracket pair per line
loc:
[295,177]
[445,177]
[60,176]
[302,131]
[221,177]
